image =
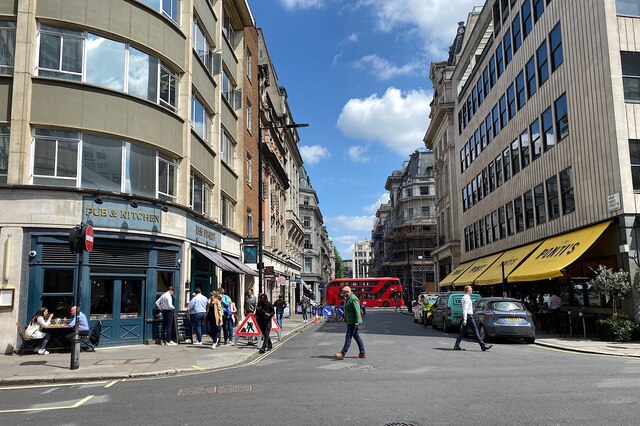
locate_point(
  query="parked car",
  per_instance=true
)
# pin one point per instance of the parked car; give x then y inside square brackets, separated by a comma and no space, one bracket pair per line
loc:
[447,311]
[503,317]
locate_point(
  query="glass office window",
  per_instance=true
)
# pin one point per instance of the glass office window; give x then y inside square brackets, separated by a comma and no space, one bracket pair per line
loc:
[515,157]
[483,136]
[511,226]
[562,117]
[492,71]
[549,139]
[503,223]
[553,204]
[504,117]
[521,94]
[139,160]
[55,158]
[543,63]
[105,62]
[492,177]
[538,194]
[631,76]
[527,22]
[199,118]
[498,162]
[500,59]
[489,125]
[528,210]
[60,53]
[566,187]
[508,53]
[486,81]
[7,46]
[516,29]
[142,78]
[511,101]
[555,45]
[519,214]
[532,83]
[496,119]
[506,163]
[495,233]
[167,178]
[525,152]
[536,142]
[101,163]
[628,7]
[538,9]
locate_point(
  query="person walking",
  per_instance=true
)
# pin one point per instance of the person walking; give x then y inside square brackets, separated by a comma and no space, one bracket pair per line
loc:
[198,310]
[468,321]
[227,317]
[279,305]
[250,303]
[304,305]
[165,305]
[214,317]
[354,319]
[264,313]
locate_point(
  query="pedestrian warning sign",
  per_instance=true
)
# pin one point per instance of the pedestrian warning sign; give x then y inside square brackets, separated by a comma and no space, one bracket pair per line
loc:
[249,327]
[274,325]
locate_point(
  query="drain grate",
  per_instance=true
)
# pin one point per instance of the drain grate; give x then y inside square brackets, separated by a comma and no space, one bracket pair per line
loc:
[143,361]
[360,367]
[208,390]
[111,362]
[401,424]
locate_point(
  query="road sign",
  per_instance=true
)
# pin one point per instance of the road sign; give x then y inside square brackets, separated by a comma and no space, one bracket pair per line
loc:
[250,241]
[269,272]
[274,325]
[321,287]
[249,327]
[327,311]
[340,311]
[88,238]
[298,280]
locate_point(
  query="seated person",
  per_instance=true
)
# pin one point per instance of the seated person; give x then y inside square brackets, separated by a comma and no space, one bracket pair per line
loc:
[83,325]
[34,330]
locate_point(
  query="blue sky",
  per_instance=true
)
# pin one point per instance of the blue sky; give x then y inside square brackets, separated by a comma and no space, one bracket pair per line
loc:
[358,72]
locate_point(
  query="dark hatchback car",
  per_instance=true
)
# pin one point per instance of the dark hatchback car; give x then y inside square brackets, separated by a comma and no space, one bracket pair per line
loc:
[503,317]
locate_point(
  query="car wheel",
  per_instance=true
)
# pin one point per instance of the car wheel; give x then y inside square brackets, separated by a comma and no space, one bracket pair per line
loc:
[529,340]
[385,304]
[483,334]
[445,326]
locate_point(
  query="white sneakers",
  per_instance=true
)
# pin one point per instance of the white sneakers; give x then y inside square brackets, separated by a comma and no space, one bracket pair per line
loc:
[43,352]
[197,343]
[172,343]
[214,344]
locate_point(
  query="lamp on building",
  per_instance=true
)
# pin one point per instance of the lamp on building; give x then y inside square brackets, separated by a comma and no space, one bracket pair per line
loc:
[133,202]
[260,264]
[165,207]
[98,198]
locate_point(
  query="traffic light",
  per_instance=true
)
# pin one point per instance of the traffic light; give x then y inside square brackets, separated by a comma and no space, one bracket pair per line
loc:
[78,238]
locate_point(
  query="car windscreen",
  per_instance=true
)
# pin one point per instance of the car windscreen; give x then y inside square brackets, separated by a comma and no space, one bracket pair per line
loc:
[507,306]
[432,299]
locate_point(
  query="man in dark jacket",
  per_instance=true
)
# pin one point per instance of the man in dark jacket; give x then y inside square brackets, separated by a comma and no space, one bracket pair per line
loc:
[279,304]
[354,319]
[264,313]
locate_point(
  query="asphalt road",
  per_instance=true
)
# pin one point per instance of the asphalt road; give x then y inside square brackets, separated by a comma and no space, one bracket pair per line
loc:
[411,377]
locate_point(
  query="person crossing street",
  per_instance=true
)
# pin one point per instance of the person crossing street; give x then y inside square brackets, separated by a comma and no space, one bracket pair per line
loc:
[468,321]
[354,319]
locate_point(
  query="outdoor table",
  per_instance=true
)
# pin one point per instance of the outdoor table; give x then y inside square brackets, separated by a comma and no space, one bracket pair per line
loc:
[57,334]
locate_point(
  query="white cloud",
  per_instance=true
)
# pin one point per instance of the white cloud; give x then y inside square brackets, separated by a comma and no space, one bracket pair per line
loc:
[351,223]
[353,38]
[382,69]
[358,153]
[397,120]
[434,20]
[314,154]
[335,59]
[372,208]
[302,4]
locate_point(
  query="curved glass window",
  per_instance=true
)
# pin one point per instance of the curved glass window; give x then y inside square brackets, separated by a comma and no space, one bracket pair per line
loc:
[105,62]
[7,46]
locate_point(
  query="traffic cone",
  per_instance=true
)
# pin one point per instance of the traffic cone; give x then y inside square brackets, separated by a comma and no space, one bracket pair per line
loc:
[316,319]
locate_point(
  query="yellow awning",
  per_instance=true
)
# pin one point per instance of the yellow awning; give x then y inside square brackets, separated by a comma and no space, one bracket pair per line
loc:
[478,267]
[459,270]
[511,259]
[557,253]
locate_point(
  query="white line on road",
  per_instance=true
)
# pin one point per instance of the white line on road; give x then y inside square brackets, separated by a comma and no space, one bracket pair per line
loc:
[66,407]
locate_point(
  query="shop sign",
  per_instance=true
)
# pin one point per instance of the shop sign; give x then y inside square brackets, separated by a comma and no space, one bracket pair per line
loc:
[269,272]
[614,202]
[200,232]
[119,214]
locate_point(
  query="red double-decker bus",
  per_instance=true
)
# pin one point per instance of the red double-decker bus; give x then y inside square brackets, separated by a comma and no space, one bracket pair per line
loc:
[375,292]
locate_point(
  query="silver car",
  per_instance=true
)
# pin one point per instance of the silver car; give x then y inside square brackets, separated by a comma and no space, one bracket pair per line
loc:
[503,317]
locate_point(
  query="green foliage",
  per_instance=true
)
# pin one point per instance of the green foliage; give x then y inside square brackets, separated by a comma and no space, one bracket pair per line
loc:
[620,328]
[612,284]
[339,263]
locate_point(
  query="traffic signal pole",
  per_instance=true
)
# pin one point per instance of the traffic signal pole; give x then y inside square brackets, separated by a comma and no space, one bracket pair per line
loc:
[80,240]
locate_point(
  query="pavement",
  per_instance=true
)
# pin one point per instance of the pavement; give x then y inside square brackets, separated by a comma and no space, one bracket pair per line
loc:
[588,346]
[139,361]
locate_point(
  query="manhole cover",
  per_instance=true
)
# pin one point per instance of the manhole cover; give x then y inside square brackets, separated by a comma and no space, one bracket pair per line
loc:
[111,362]
[205,390]
[143,361]
[360,367]
[401,424]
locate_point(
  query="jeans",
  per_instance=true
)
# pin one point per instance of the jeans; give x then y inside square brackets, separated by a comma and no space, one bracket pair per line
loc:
[279,318]
[304,314]
[196,320]
[167,325]
[45,340]
[463,331]
[352,331]
[227,328]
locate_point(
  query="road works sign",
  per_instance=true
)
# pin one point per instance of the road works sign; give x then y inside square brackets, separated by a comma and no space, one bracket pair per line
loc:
[274,325]
[249,327]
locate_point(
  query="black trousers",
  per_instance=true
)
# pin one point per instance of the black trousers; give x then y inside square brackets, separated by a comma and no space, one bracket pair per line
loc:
[463,331]
[266,340]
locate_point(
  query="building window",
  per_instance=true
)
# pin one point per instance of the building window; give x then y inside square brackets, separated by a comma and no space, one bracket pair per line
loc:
[495,229]
[483,137]
[553,204]
[308,264]
[500,59]
[511,228]
[538,9]
[504,117]
[249,64]
[55,158]
[479,91]
[200,196]
[498,171]
[517,207]
[167,178]
[425,211]
[249,230]
[506,163]
[487,228]
[503,223]
[307,242]
[524,147]
[306,221]
[492,178]
[496,120]
[474,192]
[628,7]
[508,53]
[200,119]
[492,71]
[555,45]
[547,129]
[528,210]
[543,63]
[481,195]
[485,182]
[511,101]
[631,75]
[515,157]
[7,46]
[464,199]
[489,122]
[249,117]
[227,212]
[168,8]
[305,200]
[536,143]
[249,170]
[527,23]
[532,84]
[409,192]
[538,193]
[485,81]
[516,29]
[4,153]
[424,190]
[566,188]
[85,57]
[202,46]
[227,149]
[227,29]
[562,117]
[409,213]
[634,154]
[521,95]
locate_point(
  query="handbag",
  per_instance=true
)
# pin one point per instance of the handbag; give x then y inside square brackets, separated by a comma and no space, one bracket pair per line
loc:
[31,330]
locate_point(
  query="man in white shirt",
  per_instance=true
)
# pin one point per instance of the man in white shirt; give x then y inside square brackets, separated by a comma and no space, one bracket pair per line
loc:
[554,306]
[198,309]
[165,304]
[467,320]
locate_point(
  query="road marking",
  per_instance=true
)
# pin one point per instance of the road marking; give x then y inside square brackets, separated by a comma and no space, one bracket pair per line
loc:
[112,383]
[53,385]
[66,407]
[197,368]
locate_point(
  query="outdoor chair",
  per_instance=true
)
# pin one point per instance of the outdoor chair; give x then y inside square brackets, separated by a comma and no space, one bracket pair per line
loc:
[32,344]
[92,340]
